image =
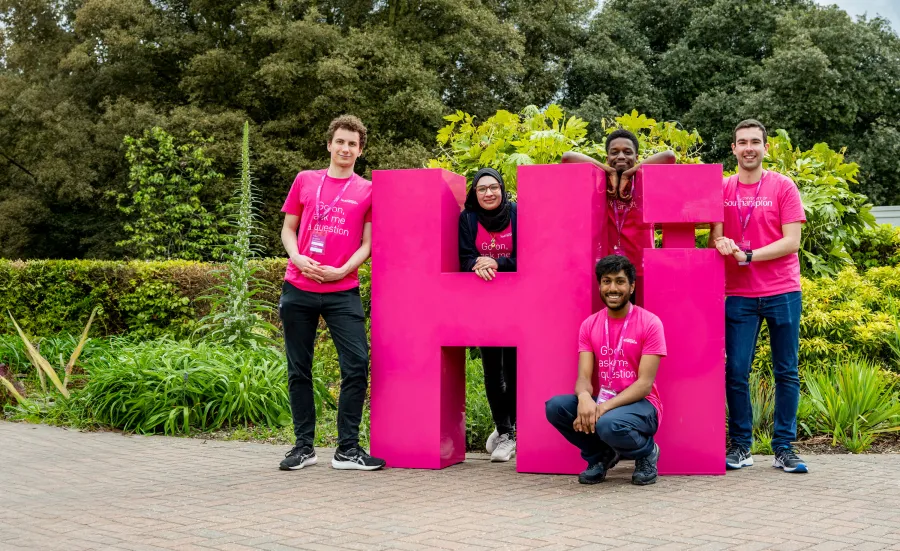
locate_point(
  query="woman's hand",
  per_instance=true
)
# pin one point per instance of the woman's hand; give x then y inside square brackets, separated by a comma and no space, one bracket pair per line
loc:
[485,267]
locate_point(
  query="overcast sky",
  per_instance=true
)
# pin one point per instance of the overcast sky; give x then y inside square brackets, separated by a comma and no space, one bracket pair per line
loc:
[889,9]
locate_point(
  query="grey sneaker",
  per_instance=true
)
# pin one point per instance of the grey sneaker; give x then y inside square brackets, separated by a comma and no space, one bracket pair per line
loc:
[491,443]
[738,456]
[298,457]
[355,459]
[505,450]
[786,459]
[645,468]
[594,474]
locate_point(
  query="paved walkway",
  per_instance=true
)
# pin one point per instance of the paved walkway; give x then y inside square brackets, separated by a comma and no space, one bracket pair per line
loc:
[61,489]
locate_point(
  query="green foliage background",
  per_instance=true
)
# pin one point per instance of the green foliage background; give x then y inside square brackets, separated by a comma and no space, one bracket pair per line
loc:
[77,76]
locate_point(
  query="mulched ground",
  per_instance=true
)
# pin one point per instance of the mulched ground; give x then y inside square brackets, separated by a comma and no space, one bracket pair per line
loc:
[889,443]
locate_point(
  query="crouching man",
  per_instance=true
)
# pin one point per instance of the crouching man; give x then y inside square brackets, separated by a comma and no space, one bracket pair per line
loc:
[624,343]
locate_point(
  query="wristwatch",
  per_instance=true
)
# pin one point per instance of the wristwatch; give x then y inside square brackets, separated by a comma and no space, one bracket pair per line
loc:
[749,256]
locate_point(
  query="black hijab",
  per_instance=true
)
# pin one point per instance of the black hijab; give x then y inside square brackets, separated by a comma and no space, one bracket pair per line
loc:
[492,220]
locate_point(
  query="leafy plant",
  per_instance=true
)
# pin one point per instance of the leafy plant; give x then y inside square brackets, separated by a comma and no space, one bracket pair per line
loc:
[175,386]
[836,216]
[878,246]
[854,403]
[479,421]
[236,315]
[166,217]
[506,140]
[10,385]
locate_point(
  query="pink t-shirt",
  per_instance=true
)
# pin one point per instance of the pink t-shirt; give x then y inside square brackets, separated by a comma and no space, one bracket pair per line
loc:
[618,369]
[502,242]
[778,203]
[636,235]
[342,225]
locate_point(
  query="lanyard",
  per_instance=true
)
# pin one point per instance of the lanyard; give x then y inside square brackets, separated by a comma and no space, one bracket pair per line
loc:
[624,329]
[740,209]
[336,199]
[620,224]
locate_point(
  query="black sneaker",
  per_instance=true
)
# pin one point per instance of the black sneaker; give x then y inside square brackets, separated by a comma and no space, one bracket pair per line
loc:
[738,456]
[355,459]
[786,459]
[645,468]
[611,461]
[594,474]
[298,457]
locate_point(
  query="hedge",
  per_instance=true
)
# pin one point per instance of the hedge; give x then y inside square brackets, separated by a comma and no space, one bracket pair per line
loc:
[144,298]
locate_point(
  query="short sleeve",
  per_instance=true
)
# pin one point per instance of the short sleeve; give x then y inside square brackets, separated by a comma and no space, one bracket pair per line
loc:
[654,343]
[293,204]
[584,336]
[790,206]
[368,217]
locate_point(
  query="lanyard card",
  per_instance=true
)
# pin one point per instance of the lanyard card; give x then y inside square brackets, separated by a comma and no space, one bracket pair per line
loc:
[317,242]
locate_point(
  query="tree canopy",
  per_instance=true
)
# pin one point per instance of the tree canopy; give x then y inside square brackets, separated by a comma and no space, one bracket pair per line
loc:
[78,76]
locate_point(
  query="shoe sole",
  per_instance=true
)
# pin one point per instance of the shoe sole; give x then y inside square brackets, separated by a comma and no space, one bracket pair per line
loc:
[801,468]
[502,459]
[735,466]
[589,481]
[352,466]
[310,461]
[644,482]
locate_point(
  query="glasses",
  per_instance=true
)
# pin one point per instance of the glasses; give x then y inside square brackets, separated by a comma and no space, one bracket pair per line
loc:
[481,190]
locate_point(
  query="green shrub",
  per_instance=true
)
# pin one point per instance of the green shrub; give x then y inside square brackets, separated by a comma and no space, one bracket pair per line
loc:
[878,246]
[175,387]
[850,314]
[853,403]
[166,218]
[836,216]
[505,140]
[479,422]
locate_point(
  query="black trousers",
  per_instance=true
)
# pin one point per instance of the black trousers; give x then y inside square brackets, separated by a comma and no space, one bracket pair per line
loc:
[500,386]
[343,314]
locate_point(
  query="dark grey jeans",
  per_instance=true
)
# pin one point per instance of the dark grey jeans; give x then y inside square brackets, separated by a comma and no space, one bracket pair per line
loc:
[628,429]
[343,313]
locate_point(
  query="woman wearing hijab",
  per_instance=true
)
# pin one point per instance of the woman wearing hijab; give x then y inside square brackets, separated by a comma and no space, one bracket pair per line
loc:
[487,245]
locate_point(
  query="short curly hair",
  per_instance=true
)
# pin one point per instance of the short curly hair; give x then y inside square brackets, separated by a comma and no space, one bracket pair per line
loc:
[347,122]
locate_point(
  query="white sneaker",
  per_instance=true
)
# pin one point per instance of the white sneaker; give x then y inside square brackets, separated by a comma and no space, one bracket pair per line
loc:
[491,443]
[505,450]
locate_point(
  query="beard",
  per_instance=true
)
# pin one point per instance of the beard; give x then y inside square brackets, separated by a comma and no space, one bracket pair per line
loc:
[626,298]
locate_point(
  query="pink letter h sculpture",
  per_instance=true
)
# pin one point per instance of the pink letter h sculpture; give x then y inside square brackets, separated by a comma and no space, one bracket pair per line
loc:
[424,312]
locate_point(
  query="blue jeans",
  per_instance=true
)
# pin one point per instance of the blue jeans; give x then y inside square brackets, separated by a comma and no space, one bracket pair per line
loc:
[627,429]
[743,320]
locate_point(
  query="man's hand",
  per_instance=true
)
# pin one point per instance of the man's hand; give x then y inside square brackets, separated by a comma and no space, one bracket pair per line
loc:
[612,181]
[330,273]
[485,267]
[626,189]
[726,246]
[586,420]
[308,267]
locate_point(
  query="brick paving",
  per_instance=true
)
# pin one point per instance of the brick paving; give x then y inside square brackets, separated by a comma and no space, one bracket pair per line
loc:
[61,489]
